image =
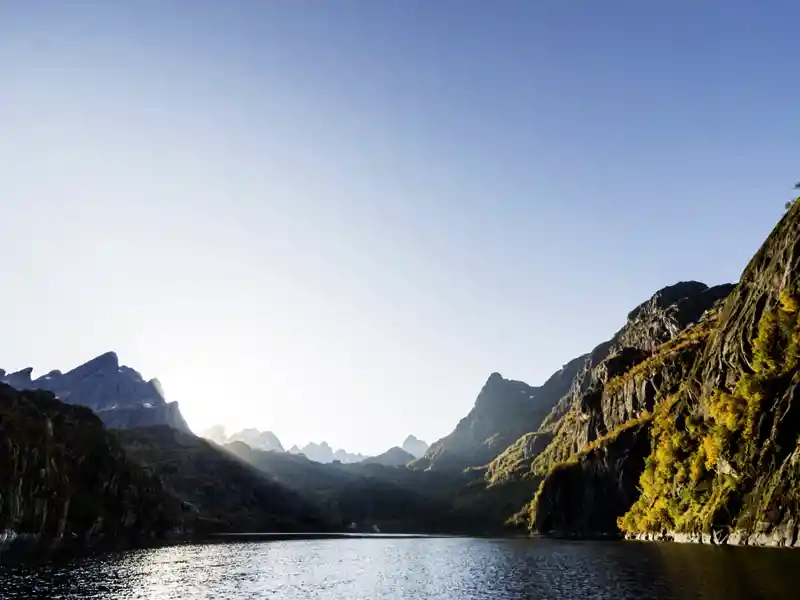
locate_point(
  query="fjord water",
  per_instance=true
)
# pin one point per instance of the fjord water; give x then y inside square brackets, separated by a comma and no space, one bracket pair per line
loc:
[414,569]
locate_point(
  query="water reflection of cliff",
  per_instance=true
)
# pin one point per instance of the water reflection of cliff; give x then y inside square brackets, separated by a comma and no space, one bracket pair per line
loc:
[726,573]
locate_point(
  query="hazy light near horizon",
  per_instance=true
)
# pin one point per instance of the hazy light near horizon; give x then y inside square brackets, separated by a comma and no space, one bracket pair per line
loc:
[335,222]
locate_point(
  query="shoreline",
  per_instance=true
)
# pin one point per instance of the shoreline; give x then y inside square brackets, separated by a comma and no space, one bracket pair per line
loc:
[778,537]
[27,547]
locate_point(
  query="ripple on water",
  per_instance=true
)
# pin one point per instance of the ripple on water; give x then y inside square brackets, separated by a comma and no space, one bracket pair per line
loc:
[413,569]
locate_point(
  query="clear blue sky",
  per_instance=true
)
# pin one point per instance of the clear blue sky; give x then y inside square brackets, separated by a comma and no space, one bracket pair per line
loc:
[336,219]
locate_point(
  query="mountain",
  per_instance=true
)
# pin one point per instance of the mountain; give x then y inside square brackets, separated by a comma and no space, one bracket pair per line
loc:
[223,492]
[644,365]
[118,394]
[556,420]
[263,440]
[685,425]
[347,457]
[323,453]
[393,457]
[416,447]
[361,496]
[504,410]
[572,423]
[64,477]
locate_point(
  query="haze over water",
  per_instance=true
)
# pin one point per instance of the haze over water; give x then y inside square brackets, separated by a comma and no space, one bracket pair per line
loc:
[415,569]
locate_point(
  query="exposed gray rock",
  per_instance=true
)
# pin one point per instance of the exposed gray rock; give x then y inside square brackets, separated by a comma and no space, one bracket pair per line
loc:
[118,394]
[584,498]
[593,410]
[503,412]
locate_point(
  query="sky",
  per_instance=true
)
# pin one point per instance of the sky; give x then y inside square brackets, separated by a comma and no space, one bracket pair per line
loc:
[334,220]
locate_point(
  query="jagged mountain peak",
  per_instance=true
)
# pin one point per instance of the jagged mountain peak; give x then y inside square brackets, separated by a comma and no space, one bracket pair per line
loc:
[260,440]
[505,409]
[669,295]
[322,452]
[104,363]
[117,393]
[415,446]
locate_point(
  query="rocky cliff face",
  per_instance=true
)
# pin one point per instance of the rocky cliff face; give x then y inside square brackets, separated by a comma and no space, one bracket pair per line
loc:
[724,461]
[584,496]
[503,411]
[63,476]
[619,380]
[709,450]
[517,433]
[118,394]
[589,454]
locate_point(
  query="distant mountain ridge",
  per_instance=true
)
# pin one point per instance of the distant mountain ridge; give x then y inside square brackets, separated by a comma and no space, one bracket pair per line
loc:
[321,452]
[261,440]
[393,457]
[118,394]
[414,446]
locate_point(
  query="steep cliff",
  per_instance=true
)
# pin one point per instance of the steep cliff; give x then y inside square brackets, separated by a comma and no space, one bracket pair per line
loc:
[714,454]
[63,476]
[118,394]
[504,410]
[584,496]
[724,463]
[598,448]
[512,423]
[620,379]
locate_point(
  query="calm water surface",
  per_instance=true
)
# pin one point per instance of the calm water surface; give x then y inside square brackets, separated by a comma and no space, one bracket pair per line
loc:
[414,569]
